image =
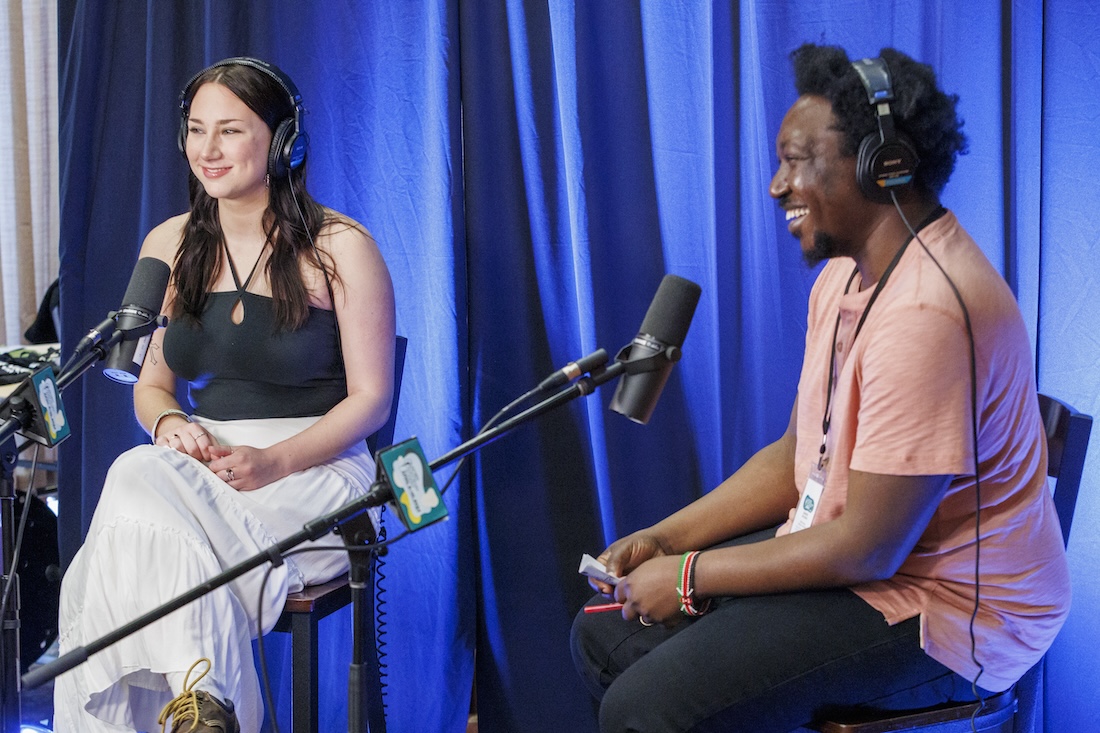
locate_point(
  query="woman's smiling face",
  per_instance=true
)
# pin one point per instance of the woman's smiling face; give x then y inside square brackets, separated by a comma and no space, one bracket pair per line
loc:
[227,144]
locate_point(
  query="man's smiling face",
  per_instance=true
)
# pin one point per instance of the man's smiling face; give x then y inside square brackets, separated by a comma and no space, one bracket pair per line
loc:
[816,184]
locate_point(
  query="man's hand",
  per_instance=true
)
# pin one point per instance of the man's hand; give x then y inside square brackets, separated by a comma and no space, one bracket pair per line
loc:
[626,554]
[649,591]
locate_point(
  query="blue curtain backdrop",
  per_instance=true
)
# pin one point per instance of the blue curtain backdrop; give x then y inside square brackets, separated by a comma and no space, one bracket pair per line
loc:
[531,171]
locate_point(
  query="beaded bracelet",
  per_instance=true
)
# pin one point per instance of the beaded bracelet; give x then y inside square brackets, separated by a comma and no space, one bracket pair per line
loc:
[688,605]
[161,416]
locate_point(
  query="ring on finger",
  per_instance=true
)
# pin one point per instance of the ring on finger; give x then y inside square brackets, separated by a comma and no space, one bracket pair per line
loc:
[229,475]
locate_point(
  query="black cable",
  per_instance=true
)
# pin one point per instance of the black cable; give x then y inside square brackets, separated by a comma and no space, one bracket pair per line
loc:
[977,468]
[380,632]
[488,424]
[265,677]
[14,569]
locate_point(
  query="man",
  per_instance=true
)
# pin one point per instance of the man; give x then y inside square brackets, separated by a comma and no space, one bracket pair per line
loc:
[865,593]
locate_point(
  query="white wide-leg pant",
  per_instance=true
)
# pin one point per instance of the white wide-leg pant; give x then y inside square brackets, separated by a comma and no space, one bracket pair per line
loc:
[165,524]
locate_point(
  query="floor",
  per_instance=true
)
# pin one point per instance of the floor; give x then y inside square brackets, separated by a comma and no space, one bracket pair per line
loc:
[37,704]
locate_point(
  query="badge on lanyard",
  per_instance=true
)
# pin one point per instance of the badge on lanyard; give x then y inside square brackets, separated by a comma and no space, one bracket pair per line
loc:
[810,498]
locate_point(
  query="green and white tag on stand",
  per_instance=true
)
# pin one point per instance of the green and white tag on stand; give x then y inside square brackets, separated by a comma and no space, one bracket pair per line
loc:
[416,495]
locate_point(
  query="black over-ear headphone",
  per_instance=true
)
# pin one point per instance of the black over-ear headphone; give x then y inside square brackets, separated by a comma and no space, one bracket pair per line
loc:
[887,161]
[288,140]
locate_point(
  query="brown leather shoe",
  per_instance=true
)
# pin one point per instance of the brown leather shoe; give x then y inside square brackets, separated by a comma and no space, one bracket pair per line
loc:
[197,711]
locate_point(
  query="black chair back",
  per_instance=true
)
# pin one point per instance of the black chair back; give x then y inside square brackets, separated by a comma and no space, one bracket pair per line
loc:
[1067,442]
[383,437]
[1067,432]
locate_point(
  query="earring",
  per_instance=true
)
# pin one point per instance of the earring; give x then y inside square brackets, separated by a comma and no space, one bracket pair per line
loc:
[267,180]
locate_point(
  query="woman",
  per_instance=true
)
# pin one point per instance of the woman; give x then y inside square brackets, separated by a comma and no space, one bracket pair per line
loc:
[282,322]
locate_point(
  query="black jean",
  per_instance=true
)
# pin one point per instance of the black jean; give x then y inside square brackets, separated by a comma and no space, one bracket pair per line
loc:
[757,663]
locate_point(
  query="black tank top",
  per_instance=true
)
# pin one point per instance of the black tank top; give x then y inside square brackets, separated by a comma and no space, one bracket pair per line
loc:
[252,369]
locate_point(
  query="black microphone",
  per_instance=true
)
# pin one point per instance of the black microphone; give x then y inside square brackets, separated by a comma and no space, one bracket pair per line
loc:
[137,319]
[574,369]
[649,357]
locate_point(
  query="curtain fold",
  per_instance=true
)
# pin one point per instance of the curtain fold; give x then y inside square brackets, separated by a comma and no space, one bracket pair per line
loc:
[1063,279]
[28,180]
[531,169]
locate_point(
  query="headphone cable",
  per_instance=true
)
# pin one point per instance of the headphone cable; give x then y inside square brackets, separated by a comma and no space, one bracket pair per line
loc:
[977,471]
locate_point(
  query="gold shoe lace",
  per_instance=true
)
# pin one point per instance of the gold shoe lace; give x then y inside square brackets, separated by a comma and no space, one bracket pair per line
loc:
[187,702]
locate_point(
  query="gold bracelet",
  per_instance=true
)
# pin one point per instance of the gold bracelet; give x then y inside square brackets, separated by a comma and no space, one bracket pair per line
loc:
[161,416]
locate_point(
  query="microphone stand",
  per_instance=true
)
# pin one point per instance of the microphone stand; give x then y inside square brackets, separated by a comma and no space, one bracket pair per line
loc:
[10,710]
[364,683]
[581,388]
[348,520]
[17,412]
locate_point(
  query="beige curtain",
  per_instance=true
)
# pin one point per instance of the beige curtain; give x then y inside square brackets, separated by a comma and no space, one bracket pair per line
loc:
[28,161]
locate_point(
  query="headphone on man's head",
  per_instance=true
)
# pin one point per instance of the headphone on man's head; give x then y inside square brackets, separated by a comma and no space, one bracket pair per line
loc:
[886,161]
[288,139]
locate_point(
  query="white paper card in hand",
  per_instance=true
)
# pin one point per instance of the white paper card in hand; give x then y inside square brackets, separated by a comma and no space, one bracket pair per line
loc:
[593,568]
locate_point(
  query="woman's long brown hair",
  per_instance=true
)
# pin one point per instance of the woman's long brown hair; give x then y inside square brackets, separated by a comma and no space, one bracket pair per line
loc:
[290,231]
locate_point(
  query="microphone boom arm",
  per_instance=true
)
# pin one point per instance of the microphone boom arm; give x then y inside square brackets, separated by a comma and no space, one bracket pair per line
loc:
[581,388]
[378,494]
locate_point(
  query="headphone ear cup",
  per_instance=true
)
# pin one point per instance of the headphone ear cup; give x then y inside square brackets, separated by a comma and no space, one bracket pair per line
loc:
[288,149]
[885,167]
[276,156]
[864,176]
[181,138]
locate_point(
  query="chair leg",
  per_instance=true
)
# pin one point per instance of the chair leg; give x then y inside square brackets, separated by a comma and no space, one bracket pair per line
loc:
[303,708]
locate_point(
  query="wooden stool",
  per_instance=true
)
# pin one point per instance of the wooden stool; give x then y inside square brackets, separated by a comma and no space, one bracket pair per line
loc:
[303,610]
[301,614]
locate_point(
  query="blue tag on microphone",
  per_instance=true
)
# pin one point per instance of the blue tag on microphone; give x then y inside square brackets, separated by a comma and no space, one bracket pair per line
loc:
[47,424]
[415,493]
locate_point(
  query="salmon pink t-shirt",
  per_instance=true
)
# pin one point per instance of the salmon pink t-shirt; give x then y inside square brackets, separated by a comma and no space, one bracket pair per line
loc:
[902,406]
